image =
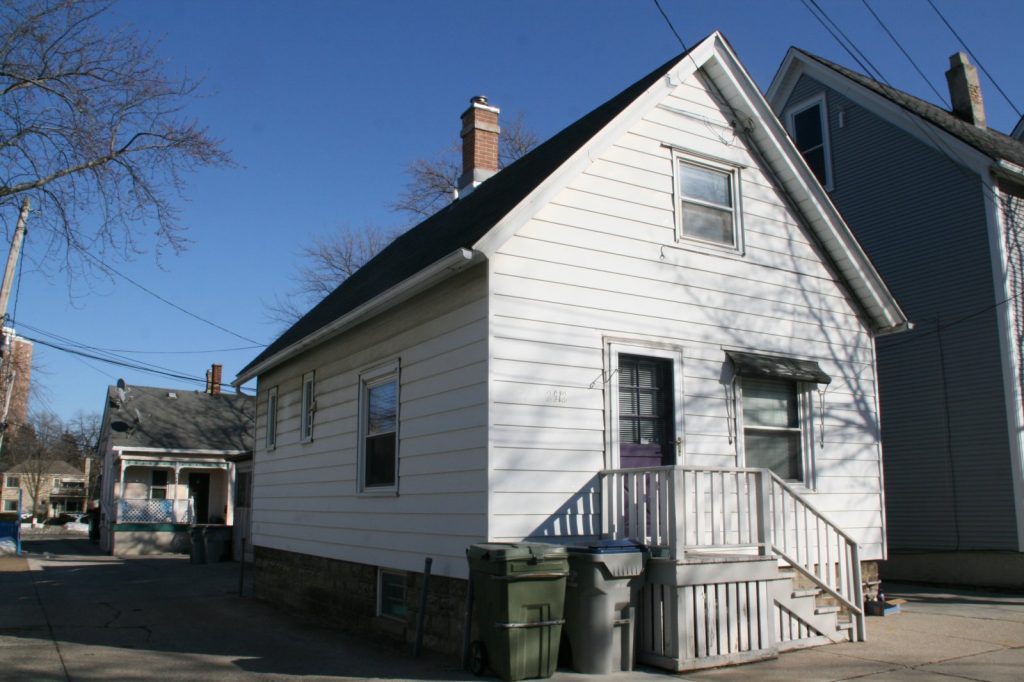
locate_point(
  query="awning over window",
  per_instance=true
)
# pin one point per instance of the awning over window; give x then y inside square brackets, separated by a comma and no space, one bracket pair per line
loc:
[775,367]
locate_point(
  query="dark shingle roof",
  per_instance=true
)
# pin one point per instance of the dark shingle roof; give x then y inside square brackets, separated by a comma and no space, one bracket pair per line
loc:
[990,142]
[49,466]
[188,421]
[462,223]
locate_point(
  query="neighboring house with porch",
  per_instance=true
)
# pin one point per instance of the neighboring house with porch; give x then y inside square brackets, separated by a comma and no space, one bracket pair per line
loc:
[936,198]
[168,463]
[58,486]
[655,325]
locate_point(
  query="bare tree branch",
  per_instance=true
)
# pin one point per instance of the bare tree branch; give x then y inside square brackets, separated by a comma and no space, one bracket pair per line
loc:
[90,123]
[432,182]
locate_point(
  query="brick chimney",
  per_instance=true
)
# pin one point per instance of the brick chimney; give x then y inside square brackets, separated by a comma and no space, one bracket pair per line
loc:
[479,144]
[213,379]
[965,90]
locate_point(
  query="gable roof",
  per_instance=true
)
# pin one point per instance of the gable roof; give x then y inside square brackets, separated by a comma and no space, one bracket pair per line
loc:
[458,225]
[992,143]
[150,417]
[467,223]
[48,466]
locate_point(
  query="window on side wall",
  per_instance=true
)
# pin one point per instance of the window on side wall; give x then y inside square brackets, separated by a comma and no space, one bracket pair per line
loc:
[13,482]
[378,429]
[773,433]
[391,594]
[807,124]
[773,397]
[158,485]
[308,407]
[272,418]
[10,505]
[707,203]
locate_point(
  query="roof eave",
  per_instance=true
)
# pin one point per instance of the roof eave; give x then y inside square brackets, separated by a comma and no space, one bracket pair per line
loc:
[442,269]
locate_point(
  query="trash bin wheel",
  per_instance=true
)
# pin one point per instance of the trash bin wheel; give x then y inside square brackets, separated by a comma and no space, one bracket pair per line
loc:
[477,657]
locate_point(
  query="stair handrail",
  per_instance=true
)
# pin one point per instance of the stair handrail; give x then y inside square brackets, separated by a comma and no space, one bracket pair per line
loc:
[853,601]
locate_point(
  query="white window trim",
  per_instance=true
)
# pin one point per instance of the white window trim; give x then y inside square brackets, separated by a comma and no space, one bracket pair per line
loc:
[651,349]
[805,414]
[368,378]
[380,592]
[695,159]
[307,413]
[826,140]
[163,487]
[271,426]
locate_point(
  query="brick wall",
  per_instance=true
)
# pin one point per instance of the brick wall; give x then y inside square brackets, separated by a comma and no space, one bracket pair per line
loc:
[344,594]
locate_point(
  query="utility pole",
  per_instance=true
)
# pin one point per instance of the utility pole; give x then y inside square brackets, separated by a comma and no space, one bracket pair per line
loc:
[12,259]
[7,369]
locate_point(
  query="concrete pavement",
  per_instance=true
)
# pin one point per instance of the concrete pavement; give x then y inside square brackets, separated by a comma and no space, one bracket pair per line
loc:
[80,615]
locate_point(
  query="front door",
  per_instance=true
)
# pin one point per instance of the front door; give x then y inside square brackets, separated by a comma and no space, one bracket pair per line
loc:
[646,412]
[199,491]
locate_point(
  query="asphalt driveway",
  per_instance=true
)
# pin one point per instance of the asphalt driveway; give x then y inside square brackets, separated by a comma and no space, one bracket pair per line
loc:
[81,615]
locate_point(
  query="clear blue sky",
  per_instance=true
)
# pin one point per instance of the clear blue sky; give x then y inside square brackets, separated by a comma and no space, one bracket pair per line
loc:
[324,103]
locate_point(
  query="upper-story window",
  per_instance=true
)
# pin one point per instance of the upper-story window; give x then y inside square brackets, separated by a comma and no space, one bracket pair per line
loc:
[808,126]
[707,203]
[271,441]
[308,407]
[13,481]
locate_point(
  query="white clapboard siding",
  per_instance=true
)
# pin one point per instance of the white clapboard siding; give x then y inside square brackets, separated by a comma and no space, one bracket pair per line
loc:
[600,261]
[306,494]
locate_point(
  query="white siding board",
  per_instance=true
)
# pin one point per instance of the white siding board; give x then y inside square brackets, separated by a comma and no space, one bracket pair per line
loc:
[306,494]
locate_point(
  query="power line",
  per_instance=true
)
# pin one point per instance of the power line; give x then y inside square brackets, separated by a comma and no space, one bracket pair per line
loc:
[119,363]
[910,59]
[975,58]
[157,296]
[669,22]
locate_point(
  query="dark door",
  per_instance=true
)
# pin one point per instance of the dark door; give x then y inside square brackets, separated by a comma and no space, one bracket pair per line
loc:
[646,412]
[199,491]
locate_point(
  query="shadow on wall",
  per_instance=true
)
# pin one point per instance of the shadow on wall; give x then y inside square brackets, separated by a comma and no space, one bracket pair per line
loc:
[141,542]
[577,520]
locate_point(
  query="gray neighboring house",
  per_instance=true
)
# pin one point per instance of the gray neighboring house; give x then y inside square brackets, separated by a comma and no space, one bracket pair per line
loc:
[169,462]
[936,198]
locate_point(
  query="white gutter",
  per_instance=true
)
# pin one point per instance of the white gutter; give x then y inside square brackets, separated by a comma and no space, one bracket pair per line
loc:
[441,269]
[121,449]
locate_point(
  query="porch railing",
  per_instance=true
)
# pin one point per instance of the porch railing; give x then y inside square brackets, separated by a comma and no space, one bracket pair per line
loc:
[686,509]
[154,511]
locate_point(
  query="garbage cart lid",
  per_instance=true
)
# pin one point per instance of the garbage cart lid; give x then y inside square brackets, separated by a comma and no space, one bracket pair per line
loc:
[608,547]
[515,551]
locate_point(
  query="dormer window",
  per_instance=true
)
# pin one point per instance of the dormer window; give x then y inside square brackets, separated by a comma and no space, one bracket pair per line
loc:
[807,124]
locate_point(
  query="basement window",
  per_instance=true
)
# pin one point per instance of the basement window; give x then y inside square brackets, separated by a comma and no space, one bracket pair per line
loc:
[391,594]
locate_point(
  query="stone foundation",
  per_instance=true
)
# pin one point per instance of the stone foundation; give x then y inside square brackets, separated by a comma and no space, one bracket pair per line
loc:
[1003,570]
[343,594]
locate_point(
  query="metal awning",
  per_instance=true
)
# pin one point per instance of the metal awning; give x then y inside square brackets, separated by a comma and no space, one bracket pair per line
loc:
[776,367]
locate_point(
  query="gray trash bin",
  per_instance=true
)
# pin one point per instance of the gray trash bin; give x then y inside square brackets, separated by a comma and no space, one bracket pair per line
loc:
[198,551]
[600,604]
[217,542]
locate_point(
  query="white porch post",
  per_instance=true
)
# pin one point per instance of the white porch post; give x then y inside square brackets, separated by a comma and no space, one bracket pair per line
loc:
[177,485]
[229,514]
[120,491]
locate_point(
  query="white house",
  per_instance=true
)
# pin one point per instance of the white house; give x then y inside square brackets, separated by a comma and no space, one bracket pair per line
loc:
[654,325]
[169,463]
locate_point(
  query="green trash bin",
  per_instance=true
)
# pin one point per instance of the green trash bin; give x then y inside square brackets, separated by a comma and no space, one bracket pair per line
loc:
[519,594]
